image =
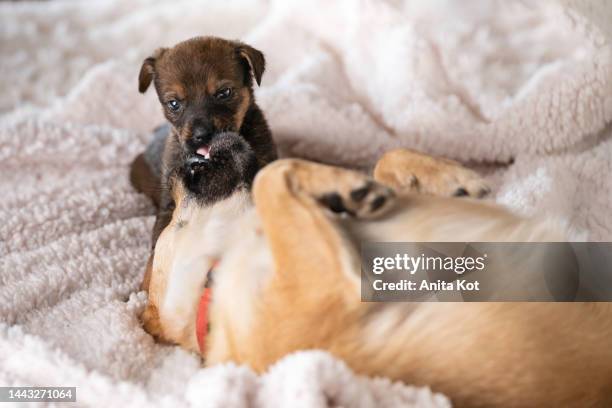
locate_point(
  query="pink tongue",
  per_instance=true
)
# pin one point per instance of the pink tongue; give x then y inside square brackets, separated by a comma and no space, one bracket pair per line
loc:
[203,151]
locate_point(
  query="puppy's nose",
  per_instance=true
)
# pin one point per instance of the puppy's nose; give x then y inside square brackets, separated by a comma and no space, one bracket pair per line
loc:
[201,135]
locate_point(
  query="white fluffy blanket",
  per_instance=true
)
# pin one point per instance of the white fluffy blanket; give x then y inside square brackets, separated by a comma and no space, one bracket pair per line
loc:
[522,88]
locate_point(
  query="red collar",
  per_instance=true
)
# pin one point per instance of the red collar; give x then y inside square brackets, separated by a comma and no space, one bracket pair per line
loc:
[202,323]
[202,320]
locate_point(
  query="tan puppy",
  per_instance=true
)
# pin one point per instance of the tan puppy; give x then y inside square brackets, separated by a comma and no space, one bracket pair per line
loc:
[286,278]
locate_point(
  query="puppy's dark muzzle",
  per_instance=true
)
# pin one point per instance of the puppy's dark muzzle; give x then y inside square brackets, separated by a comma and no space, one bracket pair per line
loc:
[229,163]
[194,164]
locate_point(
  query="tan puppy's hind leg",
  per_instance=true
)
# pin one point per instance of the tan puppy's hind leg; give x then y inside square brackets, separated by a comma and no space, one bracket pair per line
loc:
[290,196]
[408,171]
[296,201]
[294,186]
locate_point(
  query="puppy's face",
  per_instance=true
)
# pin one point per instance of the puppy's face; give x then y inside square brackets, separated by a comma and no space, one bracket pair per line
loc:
[205,87]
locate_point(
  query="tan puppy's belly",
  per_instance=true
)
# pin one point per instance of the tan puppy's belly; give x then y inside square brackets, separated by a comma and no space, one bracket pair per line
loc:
[185,253]
[239,281]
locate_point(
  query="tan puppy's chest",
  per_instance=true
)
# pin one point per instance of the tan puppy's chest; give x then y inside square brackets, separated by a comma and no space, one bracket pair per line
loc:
[186,251]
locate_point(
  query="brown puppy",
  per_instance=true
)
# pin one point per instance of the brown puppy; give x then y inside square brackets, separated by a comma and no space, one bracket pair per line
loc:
[205,86]
[287,278]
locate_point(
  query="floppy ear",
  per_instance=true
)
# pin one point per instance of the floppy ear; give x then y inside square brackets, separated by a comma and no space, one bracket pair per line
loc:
[147,71]
[254,58]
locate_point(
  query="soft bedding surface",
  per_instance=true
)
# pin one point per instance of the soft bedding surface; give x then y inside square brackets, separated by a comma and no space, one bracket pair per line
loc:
[520,89]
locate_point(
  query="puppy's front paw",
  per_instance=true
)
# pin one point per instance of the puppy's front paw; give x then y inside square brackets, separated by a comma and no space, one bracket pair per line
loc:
[367,200]
[410,171]
[452,179]
[150,321]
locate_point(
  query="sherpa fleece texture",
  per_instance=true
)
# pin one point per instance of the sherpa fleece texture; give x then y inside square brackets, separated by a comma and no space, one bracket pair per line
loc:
[522,88]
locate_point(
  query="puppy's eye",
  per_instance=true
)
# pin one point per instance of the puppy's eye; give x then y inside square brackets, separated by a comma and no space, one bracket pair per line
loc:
[173,105]
[223,93]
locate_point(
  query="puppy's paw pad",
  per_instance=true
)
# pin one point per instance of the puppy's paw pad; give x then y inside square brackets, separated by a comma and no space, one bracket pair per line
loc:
[381,199]
[468,184]
[359,194]
[461,192]
[334,202]
[453,181]
[484,191]
[366,201]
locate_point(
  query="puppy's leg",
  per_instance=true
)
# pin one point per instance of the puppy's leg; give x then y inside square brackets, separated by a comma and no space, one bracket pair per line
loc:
[408,171]
[146,169]
[144,179]
[150,321]
[147,177]
[291,196]
[150,316]
[302,185]
[315,266]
